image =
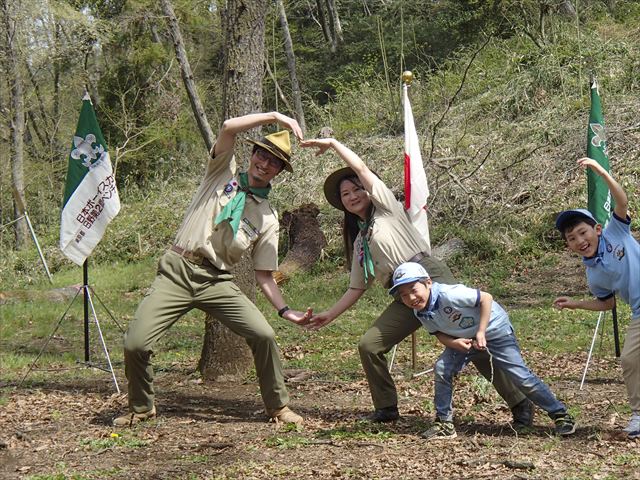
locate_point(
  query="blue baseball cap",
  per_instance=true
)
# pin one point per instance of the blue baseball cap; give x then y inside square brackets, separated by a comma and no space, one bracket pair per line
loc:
[408,272]
[567,215]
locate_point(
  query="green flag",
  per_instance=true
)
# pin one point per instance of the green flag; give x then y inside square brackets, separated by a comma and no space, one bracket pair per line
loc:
[91,199]
[599,196]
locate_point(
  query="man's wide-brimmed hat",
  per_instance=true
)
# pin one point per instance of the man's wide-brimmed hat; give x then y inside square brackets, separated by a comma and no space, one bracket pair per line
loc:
[332,183]
[279,145]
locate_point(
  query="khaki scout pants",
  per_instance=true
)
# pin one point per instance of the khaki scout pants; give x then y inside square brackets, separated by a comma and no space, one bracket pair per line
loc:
[398,322]
[179,287]
[630,360]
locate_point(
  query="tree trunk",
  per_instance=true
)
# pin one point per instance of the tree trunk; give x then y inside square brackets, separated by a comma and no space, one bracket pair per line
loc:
[187,75]
[223,352]
[566,8]
[334,18]
[291,65]
[9,22]
[326,31]
[56,74]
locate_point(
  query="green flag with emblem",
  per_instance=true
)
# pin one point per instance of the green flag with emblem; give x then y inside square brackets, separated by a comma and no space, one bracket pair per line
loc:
[599,200]
[91,198]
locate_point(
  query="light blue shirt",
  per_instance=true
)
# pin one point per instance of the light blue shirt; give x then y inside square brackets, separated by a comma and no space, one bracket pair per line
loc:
[455,311]
[616,266]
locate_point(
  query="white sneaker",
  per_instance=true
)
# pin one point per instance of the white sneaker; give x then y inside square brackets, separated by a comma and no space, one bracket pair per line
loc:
[634,424]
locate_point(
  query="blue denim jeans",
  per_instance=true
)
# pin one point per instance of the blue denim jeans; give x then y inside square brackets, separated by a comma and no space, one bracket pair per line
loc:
[505,353]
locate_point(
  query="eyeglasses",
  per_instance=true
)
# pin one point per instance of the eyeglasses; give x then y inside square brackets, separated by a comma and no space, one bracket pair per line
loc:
[265,156]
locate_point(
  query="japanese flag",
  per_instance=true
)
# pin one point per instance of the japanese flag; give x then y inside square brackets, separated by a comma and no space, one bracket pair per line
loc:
[416,190]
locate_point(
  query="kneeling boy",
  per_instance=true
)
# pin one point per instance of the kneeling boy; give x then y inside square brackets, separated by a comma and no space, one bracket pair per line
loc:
[467,321]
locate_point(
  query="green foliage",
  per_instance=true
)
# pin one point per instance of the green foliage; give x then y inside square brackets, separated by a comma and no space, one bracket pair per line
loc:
[287,442]
[362,430]
[127,441]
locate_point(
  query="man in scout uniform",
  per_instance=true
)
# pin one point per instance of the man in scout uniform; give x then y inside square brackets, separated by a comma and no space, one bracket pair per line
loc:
[229,213]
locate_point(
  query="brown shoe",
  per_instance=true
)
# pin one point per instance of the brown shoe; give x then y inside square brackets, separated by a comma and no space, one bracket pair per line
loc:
[131,418]
[285,415]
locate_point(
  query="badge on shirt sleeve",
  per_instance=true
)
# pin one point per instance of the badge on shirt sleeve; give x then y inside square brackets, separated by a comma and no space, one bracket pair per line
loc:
[230,187]
[248,228]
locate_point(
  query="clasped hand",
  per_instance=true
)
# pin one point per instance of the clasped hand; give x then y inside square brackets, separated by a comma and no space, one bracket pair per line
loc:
[299,318]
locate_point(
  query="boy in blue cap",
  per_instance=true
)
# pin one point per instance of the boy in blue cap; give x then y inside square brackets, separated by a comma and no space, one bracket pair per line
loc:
[612,259]
[467,321]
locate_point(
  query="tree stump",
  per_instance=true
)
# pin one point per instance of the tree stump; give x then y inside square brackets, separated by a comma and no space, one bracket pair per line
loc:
[305,240]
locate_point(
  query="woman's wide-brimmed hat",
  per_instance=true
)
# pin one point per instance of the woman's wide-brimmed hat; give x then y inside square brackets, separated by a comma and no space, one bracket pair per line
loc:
[332,183]
[279,145]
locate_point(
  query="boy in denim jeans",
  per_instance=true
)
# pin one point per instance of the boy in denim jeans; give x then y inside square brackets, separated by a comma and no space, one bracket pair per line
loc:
[612,259]
[467,321]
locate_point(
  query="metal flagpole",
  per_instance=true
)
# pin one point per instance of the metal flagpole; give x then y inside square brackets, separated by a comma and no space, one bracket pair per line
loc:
[35,240]
[87,302]
[21,208]
[616,338]
[593,342]
[393,356]
[104,345]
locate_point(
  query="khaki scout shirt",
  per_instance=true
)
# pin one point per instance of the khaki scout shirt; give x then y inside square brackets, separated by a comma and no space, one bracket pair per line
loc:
[258,228]
[392,239]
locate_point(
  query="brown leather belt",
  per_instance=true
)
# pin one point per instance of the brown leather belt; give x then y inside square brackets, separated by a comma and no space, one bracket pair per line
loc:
[417,257]
[193,257]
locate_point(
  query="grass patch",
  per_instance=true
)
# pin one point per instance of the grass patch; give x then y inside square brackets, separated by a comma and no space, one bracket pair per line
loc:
[114,440]
[287,442]
[361,431]
[26,325]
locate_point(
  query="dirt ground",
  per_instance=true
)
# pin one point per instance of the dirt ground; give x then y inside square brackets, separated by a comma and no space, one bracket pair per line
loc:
[218,430]
[61,429]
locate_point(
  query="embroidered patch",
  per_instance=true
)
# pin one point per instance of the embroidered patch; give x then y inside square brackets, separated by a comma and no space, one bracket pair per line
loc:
[466,322]
[230,187]
[248,228]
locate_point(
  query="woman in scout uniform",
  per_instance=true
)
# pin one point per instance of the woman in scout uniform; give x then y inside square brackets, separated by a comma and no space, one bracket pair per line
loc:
[229,214]
[378,237]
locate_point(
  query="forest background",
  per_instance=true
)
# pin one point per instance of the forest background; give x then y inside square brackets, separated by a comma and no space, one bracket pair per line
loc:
[500,99]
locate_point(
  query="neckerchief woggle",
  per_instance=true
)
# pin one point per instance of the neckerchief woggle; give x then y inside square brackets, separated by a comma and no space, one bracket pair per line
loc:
[367,264]
[232,211]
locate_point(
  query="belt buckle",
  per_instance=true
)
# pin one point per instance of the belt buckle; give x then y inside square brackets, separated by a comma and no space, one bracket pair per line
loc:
[194,257]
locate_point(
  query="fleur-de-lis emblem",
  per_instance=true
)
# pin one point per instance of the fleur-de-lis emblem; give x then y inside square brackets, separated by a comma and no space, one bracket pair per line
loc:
[84,150]
[599,135]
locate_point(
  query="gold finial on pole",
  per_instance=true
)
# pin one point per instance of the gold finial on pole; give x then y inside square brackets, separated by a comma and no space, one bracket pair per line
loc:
[407,77]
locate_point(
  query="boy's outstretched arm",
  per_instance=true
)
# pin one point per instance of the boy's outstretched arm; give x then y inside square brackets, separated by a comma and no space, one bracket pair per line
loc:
[617,192]
[594,304]
[459,344]
[486,300]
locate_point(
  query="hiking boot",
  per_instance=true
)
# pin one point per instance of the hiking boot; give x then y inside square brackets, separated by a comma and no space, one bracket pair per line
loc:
[633,429]
[440,430]
[386,414]
[565,424]
[523,415]
[285,415]
[634,424]
[130,419]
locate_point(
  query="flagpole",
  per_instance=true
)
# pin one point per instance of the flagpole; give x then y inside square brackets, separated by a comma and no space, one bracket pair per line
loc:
[85,287]
[616,338]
